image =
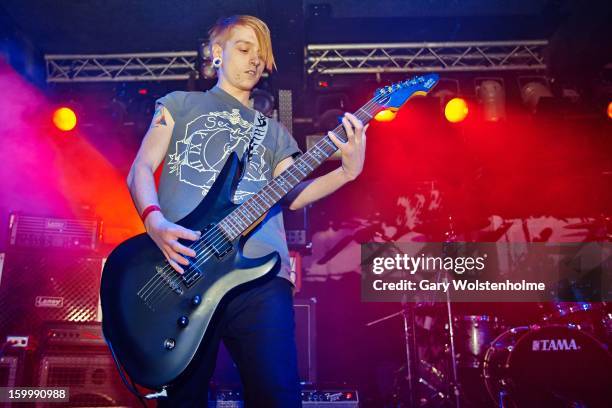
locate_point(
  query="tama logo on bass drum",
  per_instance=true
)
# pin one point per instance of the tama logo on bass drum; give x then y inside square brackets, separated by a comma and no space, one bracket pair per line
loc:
[554,345]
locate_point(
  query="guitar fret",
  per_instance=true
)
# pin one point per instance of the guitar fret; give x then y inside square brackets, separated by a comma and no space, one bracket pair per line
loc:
[299,170]
[244,216]
[306,164]
[267,194]
[259,203]
[230,224]
[249,216]
[224,229]
[266,198]
[319,149]
[292,175]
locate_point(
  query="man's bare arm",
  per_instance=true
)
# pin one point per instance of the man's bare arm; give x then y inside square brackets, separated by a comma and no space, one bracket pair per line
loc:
[141,180]
[141,183]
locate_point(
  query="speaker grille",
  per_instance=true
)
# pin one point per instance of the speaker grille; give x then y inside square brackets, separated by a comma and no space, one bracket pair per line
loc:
[42,286]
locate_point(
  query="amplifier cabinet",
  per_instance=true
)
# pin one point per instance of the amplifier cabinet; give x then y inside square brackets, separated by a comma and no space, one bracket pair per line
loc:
[8,374]
[41,286]
[92,380]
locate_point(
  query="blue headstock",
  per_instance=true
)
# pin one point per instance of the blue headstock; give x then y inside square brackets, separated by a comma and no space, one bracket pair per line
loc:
[394,96]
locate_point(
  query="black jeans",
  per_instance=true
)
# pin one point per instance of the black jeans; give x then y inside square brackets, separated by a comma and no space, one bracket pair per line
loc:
[258,328]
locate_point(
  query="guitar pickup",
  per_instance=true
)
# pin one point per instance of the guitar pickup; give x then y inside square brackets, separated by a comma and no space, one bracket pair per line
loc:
[218,244]
[192,274]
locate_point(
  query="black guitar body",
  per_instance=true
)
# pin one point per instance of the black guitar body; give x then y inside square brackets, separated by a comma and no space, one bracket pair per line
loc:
[155,319]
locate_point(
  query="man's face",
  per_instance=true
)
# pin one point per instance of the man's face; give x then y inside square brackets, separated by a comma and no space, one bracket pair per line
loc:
[242,64]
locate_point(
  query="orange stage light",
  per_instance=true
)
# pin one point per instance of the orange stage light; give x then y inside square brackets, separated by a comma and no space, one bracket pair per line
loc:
[456,110]
[64,119]
[386,115]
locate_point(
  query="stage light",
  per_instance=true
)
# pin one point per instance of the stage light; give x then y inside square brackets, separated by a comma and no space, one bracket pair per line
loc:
[385,115]
[493,99]
[610,110]
[532,92]
[456,110]
[64,119]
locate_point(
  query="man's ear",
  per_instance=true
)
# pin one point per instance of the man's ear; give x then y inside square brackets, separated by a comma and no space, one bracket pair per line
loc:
[216,50]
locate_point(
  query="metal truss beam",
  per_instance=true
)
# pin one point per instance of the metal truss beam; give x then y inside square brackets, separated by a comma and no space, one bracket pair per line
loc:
[425,57]
[158,66]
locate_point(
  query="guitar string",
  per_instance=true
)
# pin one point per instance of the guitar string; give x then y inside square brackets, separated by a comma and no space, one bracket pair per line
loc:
[201,242]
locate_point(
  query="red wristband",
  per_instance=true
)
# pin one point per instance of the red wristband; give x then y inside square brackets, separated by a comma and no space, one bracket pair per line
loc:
[148,211]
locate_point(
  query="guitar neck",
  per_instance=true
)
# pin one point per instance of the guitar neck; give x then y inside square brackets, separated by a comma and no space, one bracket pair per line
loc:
[239,220]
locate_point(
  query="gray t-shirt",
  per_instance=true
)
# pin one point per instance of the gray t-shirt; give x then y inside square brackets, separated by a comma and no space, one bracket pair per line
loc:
[208,127]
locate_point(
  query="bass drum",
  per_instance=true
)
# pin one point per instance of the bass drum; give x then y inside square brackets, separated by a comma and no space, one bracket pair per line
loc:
[548,366]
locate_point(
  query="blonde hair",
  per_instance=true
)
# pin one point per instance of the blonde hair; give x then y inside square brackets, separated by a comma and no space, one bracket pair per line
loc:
[219,33]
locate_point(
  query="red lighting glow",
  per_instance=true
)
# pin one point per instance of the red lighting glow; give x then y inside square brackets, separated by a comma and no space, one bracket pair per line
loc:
[610,110]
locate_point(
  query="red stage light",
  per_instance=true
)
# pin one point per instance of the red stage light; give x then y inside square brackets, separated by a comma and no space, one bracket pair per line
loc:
[64,119]
[456,110]
[610,110]
[385,115]
[143,91]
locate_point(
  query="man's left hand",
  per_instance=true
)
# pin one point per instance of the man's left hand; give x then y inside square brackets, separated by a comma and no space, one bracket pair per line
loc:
[353,151]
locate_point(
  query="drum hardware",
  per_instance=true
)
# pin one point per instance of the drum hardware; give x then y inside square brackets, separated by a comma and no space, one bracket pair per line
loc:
[407,314]
[477,333]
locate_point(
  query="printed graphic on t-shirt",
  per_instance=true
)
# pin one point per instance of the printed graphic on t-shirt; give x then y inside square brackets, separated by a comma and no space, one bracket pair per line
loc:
[208,141]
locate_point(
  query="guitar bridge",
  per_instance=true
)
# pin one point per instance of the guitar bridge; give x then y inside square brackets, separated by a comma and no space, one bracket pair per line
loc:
[169,280]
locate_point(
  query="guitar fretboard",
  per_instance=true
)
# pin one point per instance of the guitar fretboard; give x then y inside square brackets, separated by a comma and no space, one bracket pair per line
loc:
[235,223]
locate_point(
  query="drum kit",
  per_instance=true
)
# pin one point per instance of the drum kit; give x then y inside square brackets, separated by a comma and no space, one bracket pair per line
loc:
[554,354]
[562,359]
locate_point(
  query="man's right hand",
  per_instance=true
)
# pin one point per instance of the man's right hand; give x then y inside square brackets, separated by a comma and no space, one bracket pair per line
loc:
[166,235]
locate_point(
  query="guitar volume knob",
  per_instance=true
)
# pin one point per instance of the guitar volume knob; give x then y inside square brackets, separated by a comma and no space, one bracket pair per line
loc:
[196,300]
[183,321]
[169,344]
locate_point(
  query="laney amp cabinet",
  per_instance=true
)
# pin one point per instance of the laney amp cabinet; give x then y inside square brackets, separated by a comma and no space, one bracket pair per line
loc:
[28,231]
[39,286]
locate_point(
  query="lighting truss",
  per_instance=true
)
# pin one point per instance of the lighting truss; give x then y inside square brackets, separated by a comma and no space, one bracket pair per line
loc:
[425,57]
[158,66]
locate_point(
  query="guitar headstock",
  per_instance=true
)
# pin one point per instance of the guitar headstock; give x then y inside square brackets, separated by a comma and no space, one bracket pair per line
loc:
[395,95]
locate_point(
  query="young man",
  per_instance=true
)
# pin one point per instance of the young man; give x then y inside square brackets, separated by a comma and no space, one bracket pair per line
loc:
[195,132]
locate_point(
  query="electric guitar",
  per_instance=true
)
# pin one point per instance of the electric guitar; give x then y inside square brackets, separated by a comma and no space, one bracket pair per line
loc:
[154,319]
